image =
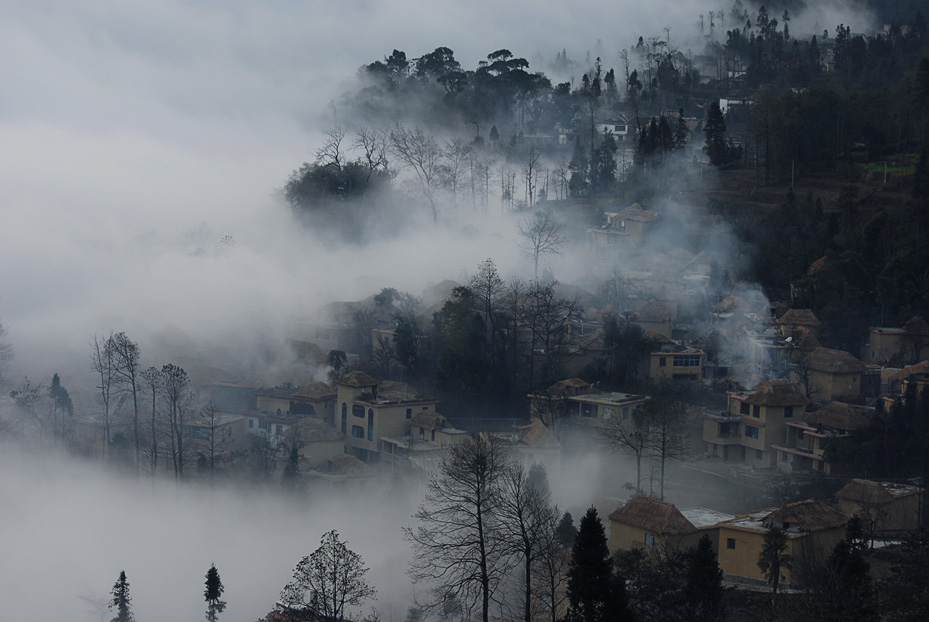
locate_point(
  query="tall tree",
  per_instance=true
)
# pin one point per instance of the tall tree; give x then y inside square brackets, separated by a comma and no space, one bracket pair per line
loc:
[715,131]
[121,601]
[327,581]
[153,383]
[703,593]
[541,234]
[421,153]
[595,594]
[456,543]
[213,593]
[126,356]
[773,558]
[103,361]
[177,392]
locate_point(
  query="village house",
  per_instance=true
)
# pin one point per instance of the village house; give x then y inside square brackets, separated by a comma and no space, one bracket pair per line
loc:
[898,346]
[427,437]
[370,410]
[886,508]
[580,403]
[829,374]
[804,449]
[813,529]
[672,360]
[654,317]
[898,380]
[343,472]
[795,318]
[317,441]
[535,444]
[622,229]
[753,423]
[315,399]
[658,526]
[617,126]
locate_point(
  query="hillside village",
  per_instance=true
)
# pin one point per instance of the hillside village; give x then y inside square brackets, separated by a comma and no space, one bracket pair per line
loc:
[727,314]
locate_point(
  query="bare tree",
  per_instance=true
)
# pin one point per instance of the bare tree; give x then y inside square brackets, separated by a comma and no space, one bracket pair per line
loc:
[373,144]
[126,355]
[457,152]
[6,352]
[628,435]
[664,415]
[456,543]
[422,154]
[327,581]
[541,235]
[330,153]
[545,315]
[103,360]
[177,392]
[524,515]
[153,382]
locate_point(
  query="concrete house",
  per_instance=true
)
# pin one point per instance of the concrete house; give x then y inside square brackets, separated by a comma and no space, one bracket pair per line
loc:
[813,529]
[369,410]
[830,374]
[886,508]
[804,448]
[653,525]
[753,423]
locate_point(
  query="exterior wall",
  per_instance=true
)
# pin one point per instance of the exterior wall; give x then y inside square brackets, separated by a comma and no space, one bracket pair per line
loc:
[901,514]
[675,372]
[742,560]
[378,420]
[662,328]
[625,537]
[272,404]
[827,386]
[318,453]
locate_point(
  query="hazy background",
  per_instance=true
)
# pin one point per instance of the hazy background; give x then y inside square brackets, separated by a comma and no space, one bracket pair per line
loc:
[132,134]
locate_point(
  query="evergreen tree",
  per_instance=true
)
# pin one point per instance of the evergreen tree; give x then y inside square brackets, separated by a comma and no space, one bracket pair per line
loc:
[595,594]
[121,601]
[61,396]
[566,531]
[703,593]
[214,590]
[715,131]
[774,557]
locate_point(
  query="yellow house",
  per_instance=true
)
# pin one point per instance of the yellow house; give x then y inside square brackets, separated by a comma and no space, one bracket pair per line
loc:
[658,526]
[830,374]
[753,423]
[805,446]
[370,410]
[884,507]
[315,399]
[795,318]
[813,529]
[622,229]
[898,346]
[675,362]
[428,435]
[318,441]
[653,316]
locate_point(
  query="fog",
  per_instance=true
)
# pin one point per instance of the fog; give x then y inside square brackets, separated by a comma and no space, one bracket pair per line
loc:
[134,134]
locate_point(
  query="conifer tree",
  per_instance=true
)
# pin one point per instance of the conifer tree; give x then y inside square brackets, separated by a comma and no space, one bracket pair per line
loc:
[704,590]
[214,590]
[121,601]
[595,594]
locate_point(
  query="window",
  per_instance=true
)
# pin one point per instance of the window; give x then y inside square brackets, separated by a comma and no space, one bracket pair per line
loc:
[625,412]
[759,455]
[586,411]
[358,410]
[744,408]
[358,431]
[784,456]
[730,543]
[650,541]
[278,429]
[687,360]
[756,411]
[799,435]
[788,412]
[611,239]
[751,431]
[662,362]
[607,413]
[409,413]
[322,333]
[433,435]
[370,424]
[251,423]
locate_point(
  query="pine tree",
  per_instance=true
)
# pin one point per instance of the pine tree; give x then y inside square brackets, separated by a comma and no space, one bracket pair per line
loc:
[212,593]
[704,590]
[595,594]
[121,601]
[774,557]
[715,129]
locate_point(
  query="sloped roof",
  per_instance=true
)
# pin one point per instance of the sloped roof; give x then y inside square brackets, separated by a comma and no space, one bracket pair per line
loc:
[316,390]
[778,392]
[805,339]
[812,514]
[834,361]
[313,430]
[918,369]
[358,379]
[393,390]
[800,317]
[635,212]
[916,325]
[349,466]
[653,516]
[699,258]
[865,491]
[430,421]
[537,435]
[651,311]
[569,386]
[273,378]
[838,415]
